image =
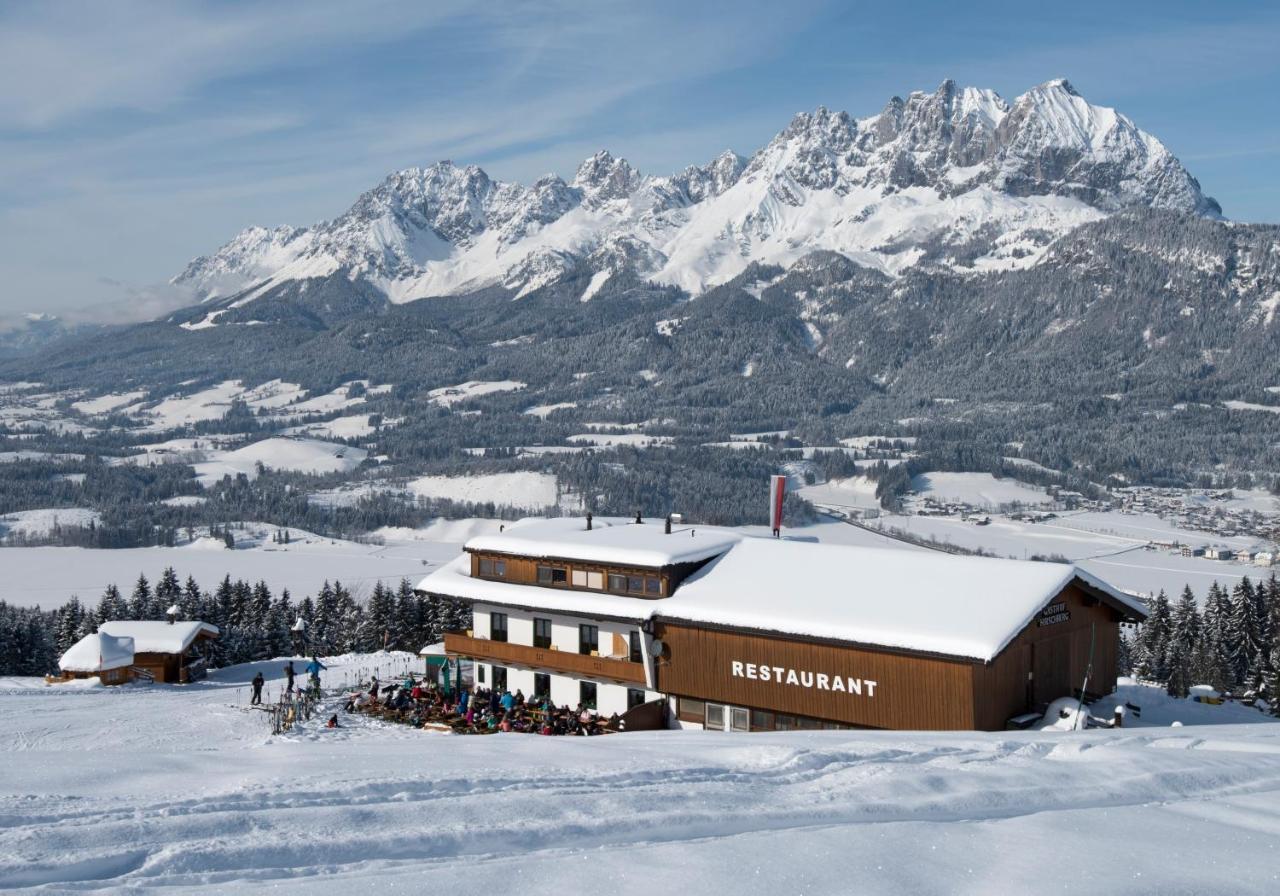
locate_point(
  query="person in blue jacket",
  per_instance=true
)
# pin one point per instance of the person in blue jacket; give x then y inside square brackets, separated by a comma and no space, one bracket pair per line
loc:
[313,669]
[507,701]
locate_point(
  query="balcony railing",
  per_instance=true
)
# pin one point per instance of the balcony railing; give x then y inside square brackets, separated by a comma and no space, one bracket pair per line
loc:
[507,654]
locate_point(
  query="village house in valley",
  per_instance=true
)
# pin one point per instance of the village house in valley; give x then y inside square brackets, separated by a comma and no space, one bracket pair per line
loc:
[740,633]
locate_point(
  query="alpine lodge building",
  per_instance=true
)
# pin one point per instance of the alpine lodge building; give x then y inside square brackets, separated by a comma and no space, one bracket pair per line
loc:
[740,633]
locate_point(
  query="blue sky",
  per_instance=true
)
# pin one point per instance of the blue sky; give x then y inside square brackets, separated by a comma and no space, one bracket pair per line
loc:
[134,136]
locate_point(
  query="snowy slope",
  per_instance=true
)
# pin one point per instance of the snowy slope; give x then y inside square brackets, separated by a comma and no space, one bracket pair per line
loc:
[957,177]
[162,788]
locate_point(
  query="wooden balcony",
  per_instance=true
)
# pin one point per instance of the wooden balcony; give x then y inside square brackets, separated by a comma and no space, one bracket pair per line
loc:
[506,654]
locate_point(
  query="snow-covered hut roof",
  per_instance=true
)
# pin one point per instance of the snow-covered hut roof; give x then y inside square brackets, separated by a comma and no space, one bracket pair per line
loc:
[159,637]
[436,649]
[97,652]
[911,600]
[618,541]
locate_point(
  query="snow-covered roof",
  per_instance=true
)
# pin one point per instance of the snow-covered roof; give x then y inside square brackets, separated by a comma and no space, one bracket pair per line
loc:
[925,602]
[615,541]
[97,653]
[911,600]
[436,649]
[159,637]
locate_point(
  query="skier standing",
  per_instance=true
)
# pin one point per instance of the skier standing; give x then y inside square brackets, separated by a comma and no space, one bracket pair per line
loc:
[313,670]
[258,682]
[289,673]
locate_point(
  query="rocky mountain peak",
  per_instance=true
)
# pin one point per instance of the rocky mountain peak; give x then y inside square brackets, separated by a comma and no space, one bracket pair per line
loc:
[603,177]
[955,177]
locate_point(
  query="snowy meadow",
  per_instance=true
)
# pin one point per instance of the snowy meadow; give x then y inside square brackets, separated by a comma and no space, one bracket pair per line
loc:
[183,789]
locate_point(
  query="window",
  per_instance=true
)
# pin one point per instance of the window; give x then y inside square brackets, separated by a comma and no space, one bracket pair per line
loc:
[493,568]
[738,719]
[587,694]
[579,578]
[499,678]
[595,580]
[634,654]
[635,697]
[542,633]
[715,717]
[691,710]
[498,627]
[541,684]
[761,721]
[588,639]
[480,673]
[786,723]
[552,575]
[627,584]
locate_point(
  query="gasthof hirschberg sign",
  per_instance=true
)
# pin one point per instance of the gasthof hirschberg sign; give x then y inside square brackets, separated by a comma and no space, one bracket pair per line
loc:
[815,681]
[1054,613]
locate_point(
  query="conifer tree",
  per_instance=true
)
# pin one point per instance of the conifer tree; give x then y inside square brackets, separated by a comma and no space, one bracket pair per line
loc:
[1271,682]
[1155,636]
[112,606]
[191,601]
[140,602]
[167,591]
[1243,631]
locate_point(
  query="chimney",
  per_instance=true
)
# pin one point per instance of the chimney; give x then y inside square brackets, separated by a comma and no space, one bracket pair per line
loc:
[172,614]
[588,521]
[638,520]
[667,527]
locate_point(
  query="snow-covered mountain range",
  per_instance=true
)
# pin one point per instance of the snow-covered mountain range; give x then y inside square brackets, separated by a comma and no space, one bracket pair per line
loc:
[958,178]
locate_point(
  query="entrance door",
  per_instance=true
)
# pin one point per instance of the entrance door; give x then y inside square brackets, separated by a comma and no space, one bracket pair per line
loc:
[1051,662]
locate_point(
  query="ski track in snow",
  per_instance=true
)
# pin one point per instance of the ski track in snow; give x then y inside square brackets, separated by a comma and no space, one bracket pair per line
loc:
[159,788]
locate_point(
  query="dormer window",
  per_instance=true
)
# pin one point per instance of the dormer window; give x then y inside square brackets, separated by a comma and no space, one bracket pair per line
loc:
[552,575]
[494,569]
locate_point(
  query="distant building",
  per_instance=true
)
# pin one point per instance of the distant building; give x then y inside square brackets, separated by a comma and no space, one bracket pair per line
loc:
[1264,558]
[1219,553]
[1189,551]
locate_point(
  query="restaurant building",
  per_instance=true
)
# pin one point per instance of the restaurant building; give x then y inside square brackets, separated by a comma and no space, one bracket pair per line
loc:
[742,633]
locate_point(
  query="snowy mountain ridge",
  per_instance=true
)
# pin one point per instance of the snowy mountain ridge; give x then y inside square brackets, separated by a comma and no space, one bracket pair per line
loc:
[958,178]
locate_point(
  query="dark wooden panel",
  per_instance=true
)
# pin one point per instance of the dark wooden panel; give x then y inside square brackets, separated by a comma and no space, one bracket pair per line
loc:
[506,654]
[524,571]
[909,691]
[1001,688]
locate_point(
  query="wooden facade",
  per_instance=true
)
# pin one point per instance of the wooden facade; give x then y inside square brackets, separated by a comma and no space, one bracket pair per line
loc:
[881,688]
[518,570]
[1048,660]
[122,675]
[897,690]
[503,653]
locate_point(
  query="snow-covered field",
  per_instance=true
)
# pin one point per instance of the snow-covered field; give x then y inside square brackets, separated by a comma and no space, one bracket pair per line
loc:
[154,787]
[29,523]
[49,576]
[1110,545]
[977,489]
[300,455]
[529,490]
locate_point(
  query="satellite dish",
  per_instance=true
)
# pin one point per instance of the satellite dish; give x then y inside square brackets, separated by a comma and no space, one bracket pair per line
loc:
[657,647]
